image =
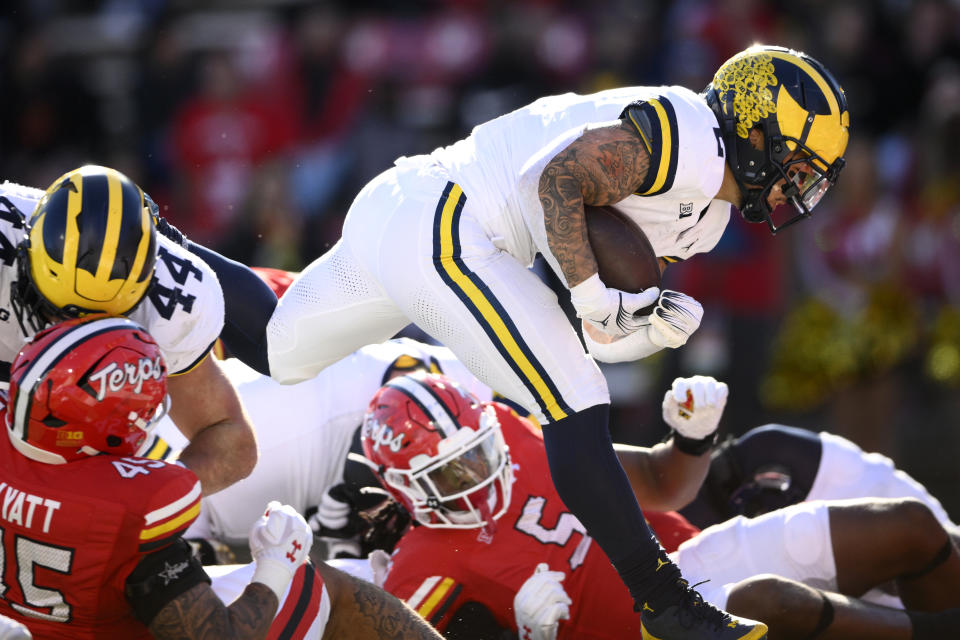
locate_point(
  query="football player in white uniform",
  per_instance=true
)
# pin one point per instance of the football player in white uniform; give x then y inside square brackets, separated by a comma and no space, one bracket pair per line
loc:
[444,240]
[89,245]
[774,465]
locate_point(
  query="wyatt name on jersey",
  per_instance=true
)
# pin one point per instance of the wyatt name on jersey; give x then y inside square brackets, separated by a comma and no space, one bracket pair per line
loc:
[18,507]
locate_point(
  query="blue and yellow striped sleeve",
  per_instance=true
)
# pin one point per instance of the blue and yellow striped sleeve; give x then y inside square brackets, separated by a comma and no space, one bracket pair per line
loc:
[656,122]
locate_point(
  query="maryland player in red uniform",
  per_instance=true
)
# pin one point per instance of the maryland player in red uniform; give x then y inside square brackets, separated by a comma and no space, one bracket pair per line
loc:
[431,424]
[91,543]
[497,553]
[90,534]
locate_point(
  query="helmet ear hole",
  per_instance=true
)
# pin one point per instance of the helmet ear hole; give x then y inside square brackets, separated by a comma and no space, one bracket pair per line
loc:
[114,441]
[53,422]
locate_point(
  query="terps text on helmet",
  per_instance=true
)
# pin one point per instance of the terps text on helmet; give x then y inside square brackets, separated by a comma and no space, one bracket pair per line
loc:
[382,434]
[112,378]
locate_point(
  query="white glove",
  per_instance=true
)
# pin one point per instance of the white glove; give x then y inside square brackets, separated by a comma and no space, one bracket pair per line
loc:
[540,604]
[675,318]
[693,406]
[379,561]
[279,543]
[611,310]
[10,629]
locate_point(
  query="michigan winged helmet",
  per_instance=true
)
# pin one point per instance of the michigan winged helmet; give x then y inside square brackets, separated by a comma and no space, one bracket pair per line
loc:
[783,117]
[90,247]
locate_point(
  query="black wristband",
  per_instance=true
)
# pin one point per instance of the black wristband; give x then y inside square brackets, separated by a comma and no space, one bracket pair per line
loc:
[692,446]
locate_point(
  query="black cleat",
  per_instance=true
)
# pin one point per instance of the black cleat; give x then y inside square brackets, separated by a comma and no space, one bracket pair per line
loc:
[694,619]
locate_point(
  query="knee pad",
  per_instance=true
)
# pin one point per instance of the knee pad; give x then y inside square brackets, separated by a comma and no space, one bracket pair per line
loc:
[794,542]
[803,538]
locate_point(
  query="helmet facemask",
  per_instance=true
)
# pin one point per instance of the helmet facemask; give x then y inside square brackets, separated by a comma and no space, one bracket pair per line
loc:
[804,178]
[34,313]
[466,485]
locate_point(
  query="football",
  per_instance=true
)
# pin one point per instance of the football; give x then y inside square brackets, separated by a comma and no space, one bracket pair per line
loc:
[625,257]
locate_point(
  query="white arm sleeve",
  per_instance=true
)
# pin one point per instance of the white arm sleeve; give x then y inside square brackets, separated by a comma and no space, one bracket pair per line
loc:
[634,346]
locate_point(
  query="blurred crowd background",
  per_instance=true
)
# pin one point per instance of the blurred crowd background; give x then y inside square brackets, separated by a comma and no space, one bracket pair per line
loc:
[254,122]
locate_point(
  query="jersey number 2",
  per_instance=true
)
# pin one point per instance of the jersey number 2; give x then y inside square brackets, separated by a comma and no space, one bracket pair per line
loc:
[31,554]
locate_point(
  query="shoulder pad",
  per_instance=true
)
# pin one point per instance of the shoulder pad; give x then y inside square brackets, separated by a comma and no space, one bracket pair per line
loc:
[656,121]
[17,204]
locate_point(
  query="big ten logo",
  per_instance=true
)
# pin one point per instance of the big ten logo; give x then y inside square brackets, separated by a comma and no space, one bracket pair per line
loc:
[69,438]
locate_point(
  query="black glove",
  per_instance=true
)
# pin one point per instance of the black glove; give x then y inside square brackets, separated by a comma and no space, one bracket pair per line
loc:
[385,525]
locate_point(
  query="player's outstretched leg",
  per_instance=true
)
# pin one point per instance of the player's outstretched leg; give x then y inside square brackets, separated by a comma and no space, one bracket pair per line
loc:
[591,482]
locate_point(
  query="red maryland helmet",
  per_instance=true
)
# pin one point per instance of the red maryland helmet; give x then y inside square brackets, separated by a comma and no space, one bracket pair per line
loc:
[84,387]
[438,450]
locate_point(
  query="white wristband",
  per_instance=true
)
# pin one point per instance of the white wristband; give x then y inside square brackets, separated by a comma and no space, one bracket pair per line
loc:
[274,574]
[589,296]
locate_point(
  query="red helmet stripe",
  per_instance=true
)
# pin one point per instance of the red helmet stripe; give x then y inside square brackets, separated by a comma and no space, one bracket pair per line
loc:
[424,397]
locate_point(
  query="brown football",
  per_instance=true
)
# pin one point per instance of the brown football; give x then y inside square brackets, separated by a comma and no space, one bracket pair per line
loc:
[625,257]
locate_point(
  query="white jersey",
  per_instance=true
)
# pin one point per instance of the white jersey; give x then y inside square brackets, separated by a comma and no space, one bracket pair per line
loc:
[500,164]
[183,308]
[304,432]
[444,241]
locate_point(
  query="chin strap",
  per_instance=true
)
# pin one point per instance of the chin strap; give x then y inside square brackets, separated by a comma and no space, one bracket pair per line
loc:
[490,525]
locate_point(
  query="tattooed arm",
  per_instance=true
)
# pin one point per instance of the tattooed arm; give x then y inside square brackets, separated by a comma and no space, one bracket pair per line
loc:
[601,167]
[363,611]
[199,614]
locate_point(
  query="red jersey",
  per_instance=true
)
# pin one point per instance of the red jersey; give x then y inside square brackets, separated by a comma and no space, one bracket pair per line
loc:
[437,570]
[70,534]
[279,280]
